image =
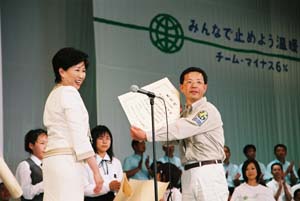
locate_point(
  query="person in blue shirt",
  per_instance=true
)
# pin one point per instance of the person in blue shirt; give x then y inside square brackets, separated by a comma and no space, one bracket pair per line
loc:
[280,152]
[169,156]
[137,165]
[231,171]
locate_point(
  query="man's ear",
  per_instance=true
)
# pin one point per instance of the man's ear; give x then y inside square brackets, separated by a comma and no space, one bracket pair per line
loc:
[205,88]
[181,87]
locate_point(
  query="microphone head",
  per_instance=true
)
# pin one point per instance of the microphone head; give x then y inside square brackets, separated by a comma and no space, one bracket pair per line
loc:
[134,88]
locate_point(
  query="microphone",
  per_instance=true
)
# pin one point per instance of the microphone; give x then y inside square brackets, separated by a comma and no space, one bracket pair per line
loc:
[135,88]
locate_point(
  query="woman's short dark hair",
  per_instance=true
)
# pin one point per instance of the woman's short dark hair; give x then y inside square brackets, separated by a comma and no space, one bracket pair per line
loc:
[67,57]
[31,137]
[98,131]
[258,170]
[193,69]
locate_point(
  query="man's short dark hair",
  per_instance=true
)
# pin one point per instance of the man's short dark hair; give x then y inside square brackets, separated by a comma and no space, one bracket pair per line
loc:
[193,69]
[31,137]
[67,57]
[279,164]
[279,145]
[296,192]
[247,147]
[134,142]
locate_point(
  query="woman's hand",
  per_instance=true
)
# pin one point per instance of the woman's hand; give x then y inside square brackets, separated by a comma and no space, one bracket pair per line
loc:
[114,185]
[98,183]
[97,177]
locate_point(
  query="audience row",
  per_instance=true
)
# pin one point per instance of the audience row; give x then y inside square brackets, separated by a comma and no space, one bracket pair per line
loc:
[277,178]
[251,180]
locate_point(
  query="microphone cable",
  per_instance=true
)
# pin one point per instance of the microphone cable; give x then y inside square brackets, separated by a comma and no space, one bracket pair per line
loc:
[167,122]
[167,144]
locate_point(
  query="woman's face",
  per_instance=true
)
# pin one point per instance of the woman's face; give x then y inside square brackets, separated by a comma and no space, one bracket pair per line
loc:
[251,172]
[73,76]
[103,143]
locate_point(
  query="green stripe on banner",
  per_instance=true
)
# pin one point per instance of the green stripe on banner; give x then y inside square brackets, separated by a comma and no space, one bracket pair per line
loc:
[247,51]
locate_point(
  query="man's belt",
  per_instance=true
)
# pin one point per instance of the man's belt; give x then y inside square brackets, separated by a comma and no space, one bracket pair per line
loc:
[201,163]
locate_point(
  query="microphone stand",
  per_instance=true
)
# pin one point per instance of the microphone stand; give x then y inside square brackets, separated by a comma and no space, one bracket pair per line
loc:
[153,146]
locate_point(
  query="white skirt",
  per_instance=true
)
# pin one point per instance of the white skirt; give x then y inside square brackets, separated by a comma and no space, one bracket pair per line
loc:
[63,178]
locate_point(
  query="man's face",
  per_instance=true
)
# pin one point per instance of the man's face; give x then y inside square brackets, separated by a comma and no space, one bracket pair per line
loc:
[280,153]
[297,196]
[169,150]
[193,87]
[277,172]
[227,153]
[251,153]
[140,147]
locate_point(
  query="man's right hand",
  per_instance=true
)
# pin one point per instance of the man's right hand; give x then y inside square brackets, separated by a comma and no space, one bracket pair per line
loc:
[137,133]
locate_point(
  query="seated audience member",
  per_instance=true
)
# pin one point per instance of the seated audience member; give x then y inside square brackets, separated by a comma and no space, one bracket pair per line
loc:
[231,171]
[295,187]
[251,189]
[281,190]
[109,166]
[137,166]
[280,151]
[297,195]
[250,153]
[151,172]
[4,193]
[168,172]
[169,156]
[29,172]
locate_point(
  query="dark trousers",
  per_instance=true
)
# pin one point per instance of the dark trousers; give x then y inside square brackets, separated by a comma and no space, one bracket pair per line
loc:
[106,197]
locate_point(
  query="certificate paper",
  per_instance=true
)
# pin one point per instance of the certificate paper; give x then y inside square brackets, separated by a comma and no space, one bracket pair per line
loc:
[137,190]
[138,110]
[9,180]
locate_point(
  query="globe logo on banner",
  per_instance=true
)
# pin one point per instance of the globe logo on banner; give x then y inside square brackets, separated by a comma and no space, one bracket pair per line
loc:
[166,33]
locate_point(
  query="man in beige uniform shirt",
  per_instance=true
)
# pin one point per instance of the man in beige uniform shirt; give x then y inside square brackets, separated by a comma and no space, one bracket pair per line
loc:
[200,135]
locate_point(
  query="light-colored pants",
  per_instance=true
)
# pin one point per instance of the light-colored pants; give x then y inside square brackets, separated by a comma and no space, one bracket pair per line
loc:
[206,183]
